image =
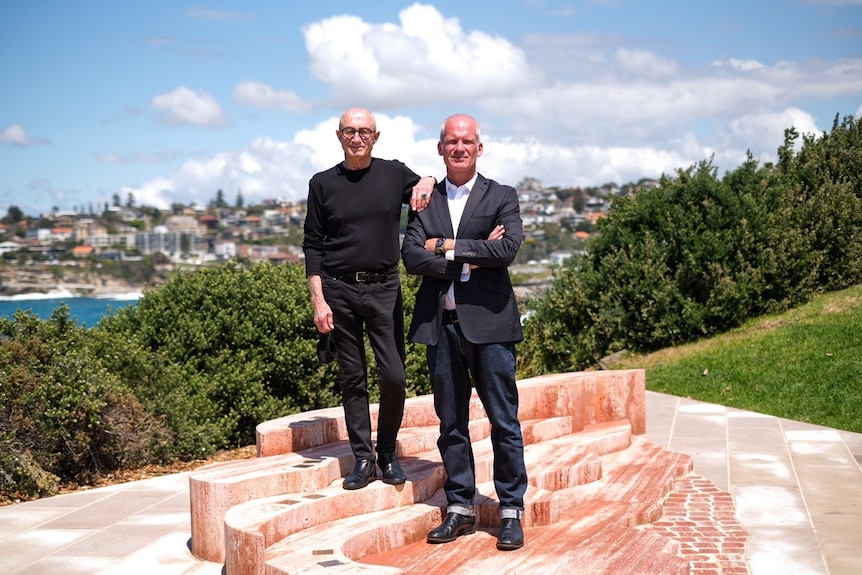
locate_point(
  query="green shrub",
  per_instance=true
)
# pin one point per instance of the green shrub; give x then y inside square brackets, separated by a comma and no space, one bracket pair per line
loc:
[64,413]
[699,255]
[219,350]
[21,477]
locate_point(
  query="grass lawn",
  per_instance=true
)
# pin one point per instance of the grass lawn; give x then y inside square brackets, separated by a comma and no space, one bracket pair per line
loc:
[804,364]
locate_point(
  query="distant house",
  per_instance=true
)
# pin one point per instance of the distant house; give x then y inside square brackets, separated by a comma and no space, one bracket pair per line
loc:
[83,251]
[40,235]
[111,255]
[61,234]
[208,221]
[225,249]
[185,224]
[8,247]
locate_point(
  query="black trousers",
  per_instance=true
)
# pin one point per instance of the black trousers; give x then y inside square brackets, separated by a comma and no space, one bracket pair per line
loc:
[374,310]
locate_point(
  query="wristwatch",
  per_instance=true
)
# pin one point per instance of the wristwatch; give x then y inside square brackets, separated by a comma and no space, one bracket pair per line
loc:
[438,249]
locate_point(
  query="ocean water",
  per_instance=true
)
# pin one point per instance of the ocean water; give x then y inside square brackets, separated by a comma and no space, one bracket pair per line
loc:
[85,311]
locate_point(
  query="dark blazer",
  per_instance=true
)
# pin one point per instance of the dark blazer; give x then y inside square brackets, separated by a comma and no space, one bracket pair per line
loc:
[486,306]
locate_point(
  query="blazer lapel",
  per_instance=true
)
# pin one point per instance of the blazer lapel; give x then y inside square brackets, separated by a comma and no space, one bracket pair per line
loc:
[440,210]
[480,188]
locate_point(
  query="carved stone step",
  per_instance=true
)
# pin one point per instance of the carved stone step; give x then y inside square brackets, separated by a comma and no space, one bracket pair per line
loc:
[597,531]
[560,463]
[304,453]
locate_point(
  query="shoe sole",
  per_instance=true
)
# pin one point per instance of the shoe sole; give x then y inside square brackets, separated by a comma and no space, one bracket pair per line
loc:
[357,486]
[509,546]
[468,531]
[394,481]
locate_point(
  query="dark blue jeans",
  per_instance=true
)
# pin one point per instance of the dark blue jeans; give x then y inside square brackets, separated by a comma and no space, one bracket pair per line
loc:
[453,363]
[375,310]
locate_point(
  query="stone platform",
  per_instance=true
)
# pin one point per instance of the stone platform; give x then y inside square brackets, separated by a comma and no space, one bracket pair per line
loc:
[601,498]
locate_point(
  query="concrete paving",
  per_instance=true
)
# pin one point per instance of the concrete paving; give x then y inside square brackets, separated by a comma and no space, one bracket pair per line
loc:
[797,487]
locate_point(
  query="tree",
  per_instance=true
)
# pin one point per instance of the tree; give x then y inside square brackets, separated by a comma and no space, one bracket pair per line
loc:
[219,201]
[13,215]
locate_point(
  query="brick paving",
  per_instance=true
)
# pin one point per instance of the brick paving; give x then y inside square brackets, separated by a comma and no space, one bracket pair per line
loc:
[702,518]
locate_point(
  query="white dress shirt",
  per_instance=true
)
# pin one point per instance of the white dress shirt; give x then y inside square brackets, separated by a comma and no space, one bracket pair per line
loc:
[457,196]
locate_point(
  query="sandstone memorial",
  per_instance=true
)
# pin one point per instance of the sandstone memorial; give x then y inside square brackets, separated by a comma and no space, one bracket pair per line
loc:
[602,498]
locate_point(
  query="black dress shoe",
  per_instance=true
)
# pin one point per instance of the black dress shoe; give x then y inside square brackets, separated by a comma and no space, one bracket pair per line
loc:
[392,472]
[364,472]
[511,535]
[453,526]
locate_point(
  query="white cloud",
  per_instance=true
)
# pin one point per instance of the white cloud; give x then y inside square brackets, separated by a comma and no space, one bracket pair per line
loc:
[16,135]
[576,109]
[265,169]
[260,95]
[160,157]
[510,161]
[644,63]
[829,79]
[185,106]
[270,169]
[427,58]
[580,89]
[743,65]
[765,131]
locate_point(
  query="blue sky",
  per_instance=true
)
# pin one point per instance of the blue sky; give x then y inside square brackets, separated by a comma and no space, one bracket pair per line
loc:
[171,101]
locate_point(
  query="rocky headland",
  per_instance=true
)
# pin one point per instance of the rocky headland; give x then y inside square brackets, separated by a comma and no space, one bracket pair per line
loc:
[44,279]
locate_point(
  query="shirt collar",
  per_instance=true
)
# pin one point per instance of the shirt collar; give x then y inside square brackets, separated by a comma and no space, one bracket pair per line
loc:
[464,189]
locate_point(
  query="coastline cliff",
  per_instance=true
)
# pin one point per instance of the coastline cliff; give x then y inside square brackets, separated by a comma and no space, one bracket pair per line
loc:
[44,279]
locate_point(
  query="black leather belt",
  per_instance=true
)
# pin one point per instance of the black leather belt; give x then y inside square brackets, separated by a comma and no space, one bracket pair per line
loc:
[450,316]
[361,277]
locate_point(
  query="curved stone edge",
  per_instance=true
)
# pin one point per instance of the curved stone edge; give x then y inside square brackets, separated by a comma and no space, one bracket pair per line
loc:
[581,398]
[613,508]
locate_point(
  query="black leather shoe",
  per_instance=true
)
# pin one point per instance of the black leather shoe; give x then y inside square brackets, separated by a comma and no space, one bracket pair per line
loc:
[364,472]
[511,535]
[453,526]
[392,472]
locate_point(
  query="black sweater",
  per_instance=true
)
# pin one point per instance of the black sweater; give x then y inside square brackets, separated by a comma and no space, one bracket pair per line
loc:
[353,218]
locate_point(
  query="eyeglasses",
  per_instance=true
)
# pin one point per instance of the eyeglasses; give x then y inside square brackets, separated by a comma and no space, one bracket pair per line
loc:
[364,133]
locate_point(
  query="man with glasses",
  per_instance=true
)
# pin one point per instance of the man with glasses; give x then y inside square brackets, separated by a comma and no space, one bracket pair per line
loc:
[352,253]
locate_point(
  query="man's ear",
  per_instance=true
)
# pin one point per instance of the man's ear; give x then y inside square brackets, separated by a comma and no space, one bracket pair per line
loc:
[440,148]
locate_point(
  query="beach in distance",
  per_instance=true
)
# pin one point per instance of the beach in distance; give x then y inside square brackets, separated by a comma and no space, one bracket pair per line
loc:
[85,310]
